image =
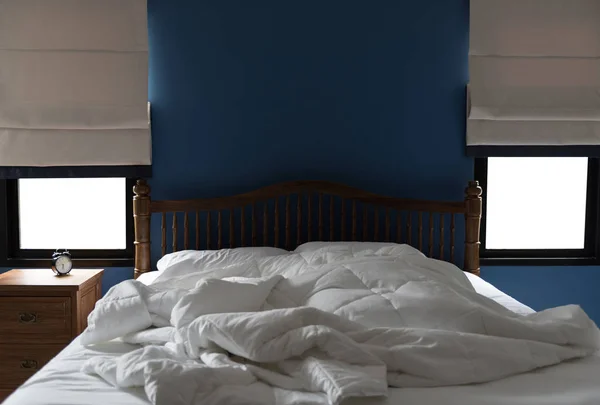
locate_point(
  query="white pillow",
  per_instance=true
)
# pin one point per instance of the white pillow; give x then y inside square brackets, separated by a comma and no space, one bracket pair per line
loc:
[353,246]
[316,253]
[186,261]
[182,278]
[148,278]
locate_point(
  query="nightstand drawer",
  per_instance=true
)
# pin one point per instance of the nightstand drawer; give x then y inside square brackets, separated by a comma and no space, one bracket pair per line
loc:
[35,319]
[19,362]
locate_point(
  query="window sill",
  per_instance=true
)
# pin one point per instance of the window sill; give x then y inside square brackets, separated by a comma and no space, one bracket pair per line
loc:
[539,261]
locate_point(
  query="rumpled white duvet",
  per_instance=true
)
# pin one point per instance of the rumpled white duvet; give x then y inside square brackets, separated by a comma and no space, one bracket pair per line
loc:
[321,326]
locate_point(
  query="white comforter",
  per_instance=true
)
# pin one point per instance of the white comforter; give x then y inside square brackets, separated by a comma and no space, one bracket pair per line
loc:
[320,327]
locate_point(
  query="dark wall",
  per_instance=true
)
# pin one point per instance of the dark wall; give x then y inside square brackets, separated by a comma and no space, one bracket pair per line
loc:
[368,93]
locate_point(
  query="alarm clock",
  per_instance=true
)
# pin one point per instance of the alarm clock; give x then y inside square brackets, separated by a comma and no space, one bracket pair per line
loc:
[62,262]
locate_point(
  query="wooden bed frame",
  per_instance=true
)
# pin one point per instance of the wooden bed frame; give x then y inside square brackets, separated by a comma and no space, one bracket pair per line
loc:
[302,211]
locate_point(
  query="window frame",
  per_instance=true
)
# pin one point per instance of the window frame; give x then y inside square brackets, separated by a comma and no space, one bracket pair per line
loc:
[11,255]
[589,255]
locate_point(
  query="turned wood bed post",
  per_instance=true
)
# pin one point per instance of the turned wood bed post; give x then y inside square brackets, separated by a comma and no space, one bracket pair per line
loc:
[473,204]
[141,220]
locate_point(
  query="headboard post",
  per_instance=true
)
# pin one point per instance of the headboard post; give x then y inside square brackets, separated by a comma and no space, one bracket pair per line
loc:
[473,205]
[141,221]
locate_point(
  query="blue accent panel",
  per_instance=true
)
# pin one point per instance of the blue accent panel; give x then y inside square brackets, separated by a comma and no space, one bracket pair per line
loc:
[246,94]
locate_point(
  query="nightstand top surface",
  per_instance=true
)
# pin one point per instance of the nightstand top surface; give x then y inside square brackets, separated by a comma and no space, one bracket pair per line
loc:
[46,278]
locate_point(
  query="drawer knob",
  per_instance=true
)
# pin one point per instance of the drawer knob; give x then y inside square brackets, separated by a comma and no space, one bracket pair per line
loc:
[29,364]
[27,317]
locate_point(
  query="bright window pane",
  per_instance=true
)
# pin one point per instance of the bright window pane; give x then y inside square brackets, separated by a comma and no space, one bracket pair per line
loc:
[536,203]
[72,213]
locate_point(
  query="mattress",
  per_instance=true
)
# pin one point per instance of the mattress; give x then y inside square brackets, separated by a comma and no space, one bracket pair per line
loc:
[574,383]
[577,382]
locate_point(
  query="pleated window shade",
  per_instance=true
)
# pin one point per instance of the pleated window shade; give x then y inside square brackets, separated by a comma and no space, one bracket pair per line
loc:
[74,83]
[534,78]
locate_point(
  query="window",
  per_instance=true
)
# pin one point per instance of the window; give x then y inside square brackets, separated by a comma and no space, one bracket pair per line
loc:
[91,217]
[539,210]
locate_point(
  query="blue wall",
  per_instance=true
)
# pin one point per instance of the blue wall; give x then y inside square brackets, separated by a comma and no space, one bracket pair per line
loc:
[544,287]
[368,93]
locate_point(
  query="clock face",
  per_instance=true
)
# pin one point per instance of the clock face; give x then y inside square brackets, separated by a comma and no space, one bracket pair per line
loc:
[63,264]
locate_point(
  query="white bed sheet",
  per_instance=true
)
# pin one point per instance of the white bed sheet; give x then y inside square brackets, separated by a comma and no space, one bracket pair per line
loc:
[148,278]
[488,290]
[573,383]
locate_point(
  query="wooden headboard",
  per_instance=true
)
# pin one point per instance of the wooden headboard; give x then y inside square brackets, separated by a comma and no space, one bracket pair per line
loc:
[288,214]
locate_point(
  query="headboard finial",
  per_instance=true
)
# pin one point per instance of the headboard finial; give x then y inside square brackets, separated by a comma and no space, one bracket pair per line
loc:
[473,190]
[141,188]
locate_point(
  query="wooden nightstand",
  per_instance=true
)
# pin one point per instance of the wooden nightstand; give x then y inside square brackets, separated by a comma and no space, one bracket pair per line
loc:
[40,314]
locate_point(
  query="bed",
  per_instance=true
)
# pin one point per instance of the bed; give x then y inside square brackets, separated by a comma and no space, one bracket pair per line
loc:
[292,216]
